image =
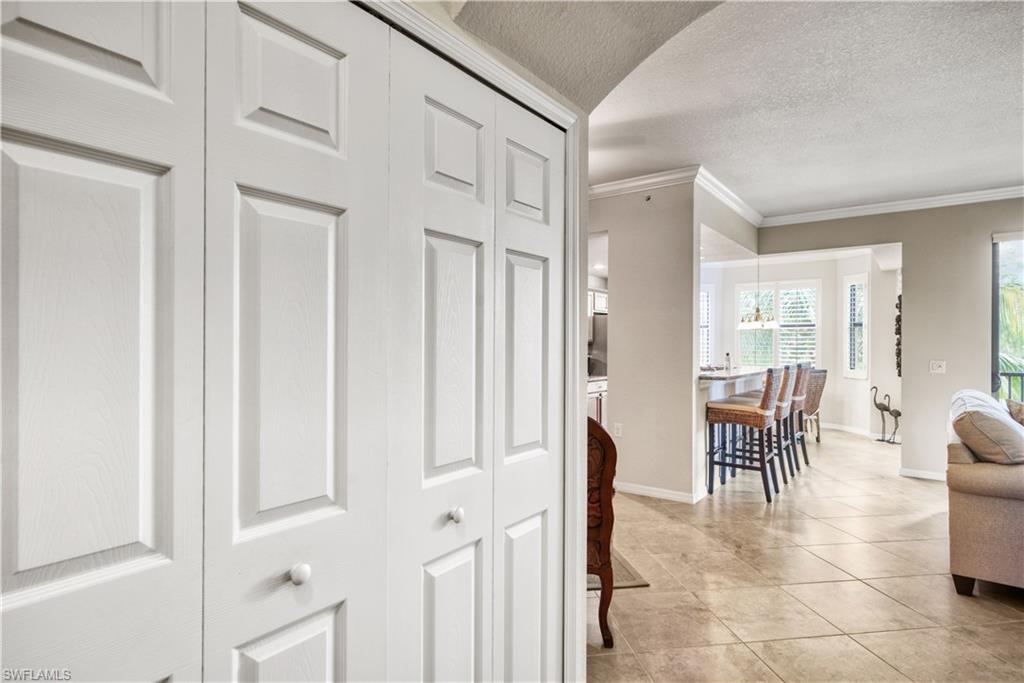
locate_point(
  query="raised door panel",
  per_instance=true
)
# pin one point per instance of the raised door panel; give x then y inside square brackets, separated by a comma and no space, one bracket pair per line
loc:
[528,479]
[452,626]
[129,40]
[440,368]
[291,309]
[311,649]
[453,350]
[101,345]
[296,256]
[526,588]
[81,262]
[292,85]
[526,343]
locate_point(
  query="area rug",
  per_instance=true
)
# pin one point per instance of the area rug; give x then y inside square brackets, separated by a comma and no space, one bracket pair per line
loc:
[625,574]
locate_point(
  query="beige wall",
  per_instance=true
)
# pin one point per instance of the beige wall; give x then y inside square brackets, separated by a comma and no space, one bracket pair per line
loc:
[882,351]
[653,280]
[651,256]
[947,270]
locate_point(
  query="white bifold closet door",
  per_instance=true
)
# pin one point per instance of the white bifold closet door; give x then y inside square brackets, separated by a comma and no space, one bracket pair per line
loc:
[528,405]
[101,339]
[295,374]
[474,379]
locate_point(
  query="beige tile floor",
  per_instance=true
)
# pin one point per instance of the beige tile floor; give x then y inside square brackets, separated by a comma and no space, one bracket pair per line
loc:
[843,578]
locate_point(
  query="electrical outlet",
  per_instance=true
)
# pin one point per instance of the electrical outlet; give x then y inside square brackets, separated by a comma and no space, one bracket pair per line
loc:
[617,429]
[937,367]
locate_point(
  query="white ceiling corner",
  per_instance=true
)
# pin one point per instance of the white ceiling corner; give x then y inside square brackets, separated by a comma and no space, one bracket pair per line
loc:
[679,176]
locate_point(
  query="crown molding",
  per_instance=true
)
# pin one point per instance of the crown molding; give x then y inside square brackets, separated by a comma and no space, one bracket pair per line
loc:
[715,187]
[896,206]
[642,183]
[697,175]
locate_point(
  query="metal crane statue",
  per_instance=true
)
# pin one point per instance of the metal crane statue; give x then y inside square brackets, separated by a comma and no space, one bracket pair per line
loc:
[896,414]
[882,408]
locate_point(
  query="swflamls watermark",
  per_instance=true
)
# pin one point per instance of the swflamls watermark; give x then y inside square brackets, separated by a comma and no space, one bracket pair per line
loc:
[37,674]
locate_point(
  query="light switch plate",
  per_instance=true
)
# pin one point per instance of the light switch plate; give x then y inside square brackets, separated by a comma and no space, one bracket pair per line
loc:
[617,429]
[937,367]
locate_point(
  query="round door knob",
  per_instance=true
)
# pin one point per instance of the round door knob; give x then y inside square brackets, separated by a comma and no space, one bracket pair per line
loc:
[300,573]
[457,514]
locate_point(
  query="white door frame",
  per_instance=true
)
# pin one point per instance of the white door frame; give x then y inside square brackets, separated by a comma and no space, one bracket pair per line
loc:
[405,16]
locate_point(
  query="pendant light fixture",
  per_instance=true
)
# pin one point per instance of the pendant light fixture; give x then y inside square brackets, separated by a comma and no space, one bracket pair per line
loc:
[757,320]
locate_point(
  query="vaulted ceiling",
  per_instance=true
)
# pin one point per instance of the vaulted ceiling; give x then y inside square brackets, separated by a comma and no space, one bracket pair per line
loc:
[582,49]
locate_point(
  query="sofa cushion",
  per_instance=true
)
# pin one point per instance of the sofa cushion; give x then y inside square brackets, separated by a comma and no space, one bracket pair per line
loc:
[985,426]
[959,454]
[987,479]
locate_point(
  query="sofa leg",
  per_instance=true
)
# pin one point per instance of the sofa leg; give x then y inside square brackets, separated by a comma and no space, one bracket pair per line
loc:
[964,584]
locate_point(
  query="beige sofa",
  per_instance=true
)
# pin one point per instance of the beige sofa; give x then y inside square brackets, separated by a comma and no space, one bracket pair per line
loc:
[986,499]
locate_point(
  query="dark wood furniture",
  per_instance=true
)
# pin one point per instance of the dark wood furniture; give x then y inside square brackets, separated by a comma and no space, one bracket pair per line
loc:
[601,458]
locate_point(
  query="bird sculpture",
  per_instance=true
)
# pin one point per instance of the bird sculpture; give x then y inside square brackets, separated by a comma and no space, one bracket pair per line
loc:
[896,414]
[882,408]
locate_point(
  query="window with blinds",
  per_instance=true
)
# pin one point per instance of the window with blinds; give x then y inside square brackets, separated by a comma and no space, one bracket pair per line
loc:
[855,315]
[794,305]
[756,347]
[798,324]
[705,327]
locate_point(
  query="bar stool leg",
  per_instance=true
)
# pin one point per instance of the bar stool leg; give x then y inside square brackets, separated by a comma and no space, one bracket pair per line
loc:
[787,441]
[711,458]
[779,455]
[722,471]
[764,466]
[771,462]
[794,436]
[734,430]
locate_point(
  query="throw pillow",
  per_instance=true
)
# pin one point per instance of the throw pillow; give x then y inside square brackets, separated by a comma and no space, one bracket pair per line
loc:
[985,426]
[1016,410]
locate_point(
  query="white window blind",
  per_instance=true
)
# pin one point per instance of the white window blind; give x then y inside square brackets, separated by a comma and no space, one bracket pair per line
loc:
[705,327]
[854,302]
[798,324]
[794,305]
[757,347]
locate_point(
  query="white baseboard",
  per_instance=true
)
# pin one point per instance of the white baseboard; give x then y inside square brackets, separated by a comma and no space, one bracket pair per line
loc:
[922,474]
[655,492]
[851,430]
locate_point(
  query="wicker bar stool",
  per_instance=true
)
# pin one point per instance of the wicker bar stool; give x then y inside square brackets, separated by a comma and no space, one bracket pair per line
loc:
[811,406]
[785,445]
[756,417]
[796,424]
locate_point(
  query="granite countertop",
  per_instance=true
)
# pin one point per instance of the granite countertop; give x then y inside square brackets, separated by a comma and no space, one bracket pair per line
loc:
[735,373]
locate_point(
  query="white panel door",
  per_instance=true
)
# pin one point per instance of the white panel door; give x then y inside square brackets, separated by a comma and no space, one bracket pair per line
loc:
[295,431]
[440,369]
[101,339]
[528,451]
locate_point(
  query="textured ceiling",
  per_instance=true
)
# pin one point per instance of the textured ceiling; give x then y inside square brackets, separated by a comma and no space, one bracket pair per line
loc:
[806,106]
[581,49]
